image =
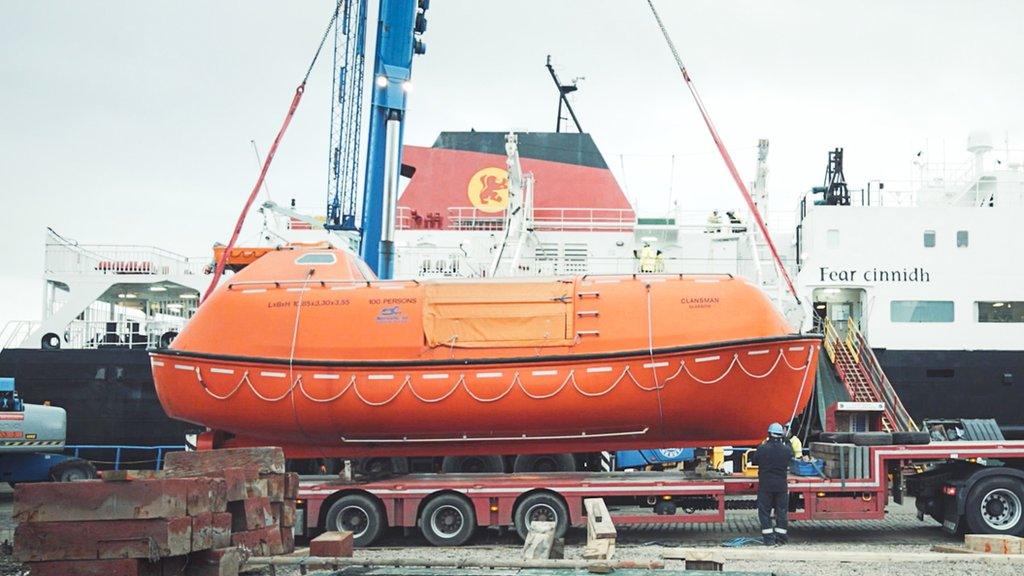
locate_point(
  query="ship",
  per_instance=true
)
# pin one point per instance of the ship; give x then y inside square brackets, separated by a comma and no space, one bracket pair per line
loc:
[926,271]
[305,348]
[104,307]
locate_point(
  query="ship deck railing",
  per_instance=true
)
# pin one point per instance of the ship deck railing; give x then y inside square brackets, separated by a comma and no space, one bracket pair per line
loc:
[64,257]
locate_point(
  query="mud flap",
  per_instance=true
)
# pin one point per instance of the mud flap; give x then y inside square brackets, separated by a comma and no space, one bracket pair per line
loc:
[951,516]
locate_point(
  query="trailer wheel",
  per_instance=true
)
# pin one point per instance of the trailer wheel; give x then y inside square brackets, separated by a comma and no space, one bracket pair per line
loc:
[996,506]
[472,464]
[358,514]
[448,520]
[73,470]
[543,507]
[544,463]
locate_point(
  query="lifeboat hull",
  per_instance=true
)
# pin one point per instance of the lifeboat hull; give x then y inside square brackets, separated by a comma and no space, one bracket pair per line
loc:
[303,349]
[698,396]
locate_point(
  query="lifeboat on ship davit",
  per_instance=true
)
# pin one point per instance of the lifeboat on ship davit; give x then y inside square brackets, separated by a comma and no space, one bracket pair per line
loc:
[305,348]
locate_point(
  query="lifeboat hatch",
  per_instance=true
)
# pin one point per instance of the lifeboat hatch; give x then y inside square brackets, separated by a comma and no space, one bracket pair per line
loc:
[838,304]
[482,315]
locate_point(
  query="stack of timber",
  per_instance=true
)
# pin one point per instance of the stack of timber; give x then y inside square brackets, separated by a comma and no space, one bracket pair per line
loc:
[843,461]
[261,496]
[204,515]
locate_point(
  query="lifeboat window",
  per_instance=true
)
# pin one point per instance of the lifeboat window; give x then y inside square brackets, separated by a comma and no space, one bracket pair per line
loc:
[316,258]
[921,311]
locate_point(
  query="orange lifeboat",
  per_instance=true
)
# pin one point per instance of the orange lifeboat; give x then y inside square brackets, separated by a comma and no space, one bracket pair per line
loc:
[305,348]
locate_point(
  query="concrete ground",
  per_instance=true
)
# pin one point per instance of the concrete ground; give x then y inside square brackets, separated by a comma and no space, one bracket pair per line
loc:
[900,531]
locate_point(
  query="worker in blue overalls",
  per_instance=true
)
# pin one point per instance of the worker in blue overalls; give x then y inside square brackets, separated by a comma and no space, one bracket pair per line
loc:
[772,459]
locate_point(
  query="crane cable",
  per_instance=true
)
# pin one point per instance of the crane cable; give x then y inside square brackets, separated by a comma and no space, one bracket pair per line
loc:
[222,261]
[725,155]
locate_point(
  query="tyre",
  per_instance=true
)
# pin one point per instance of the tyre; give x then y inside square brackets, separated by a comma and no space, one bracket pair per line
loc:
[72,471]
[472,464]
[359,514]
[836,437]
[542,506]
[448,520]
[996,506]
[871,438]
[911,438]
[544,463]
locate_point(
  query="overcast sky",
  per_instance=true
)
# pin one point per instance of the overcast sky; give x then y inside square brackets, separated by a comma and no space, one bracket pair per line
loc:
[130,122]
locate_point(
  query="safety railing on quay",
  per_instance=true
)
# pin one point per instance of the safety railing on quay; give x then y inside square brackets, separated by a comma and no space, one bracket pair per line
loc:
[113,456]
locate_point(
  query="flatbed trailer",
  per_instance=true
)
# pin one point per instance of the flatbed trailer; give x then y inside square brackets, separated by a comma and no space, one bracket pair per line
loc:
[964,485]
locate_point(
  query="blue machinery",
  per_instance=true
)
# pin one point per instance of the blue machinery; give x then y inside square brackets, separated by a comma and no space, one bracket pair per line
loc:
[400,26]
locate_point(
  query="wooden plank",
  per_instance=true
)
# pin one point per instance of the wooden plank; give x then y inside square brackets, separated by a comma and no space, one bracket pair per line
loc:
[269,459]
[202,531]
[994,543]
[287,539]
[250,514]
[291,486]
[599,521]
[275,487]
[601,531]
[218,562]
[466,566]
[98,500]
[788,554]
[96,540]
[335,544]
[123,567]
[952,549]
[260,542]
[602,549]
[284,512]
[221,529]
[540,540]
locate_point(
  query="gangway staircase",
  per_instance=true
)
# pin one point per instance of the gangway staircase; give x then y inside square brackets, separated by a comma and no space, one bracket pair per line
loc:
[862,375]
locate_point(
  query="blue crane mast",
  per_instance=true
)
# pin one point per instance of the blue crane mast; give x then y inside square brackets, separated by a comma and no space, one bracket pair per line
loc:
[400,26]
[346,114]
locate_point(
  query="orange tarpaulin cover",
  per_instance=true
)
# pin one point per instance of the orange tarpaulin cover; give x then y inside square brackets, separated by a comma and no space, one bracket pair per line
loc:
[470,315]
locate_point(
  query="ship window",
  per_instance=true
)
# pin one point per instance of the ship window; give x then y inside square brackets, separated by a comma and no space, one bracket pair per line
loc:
[921,311]
[929,238]
[316,258]
[832,238]
[1001,312]
[939,373]
[962,238]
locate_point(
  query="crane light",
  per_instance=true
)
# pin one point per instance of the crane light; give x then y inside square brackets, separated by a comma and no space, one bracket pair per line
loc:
[419,46]
[382,81]
[421,23]
[407,86]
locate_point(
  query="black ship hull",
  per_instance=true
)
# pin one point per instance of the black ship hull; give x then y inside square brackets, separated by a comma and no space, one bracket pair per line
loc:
[108,394]
[959,384]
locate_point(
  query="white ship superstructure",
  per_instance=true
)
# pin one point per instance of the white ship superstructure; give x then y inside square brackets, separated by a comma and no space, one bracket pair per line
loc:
[931,275]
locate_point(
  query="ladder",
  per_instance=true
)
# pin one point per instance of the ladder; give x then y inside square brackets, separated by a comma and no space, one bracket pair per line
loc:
[863,377]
